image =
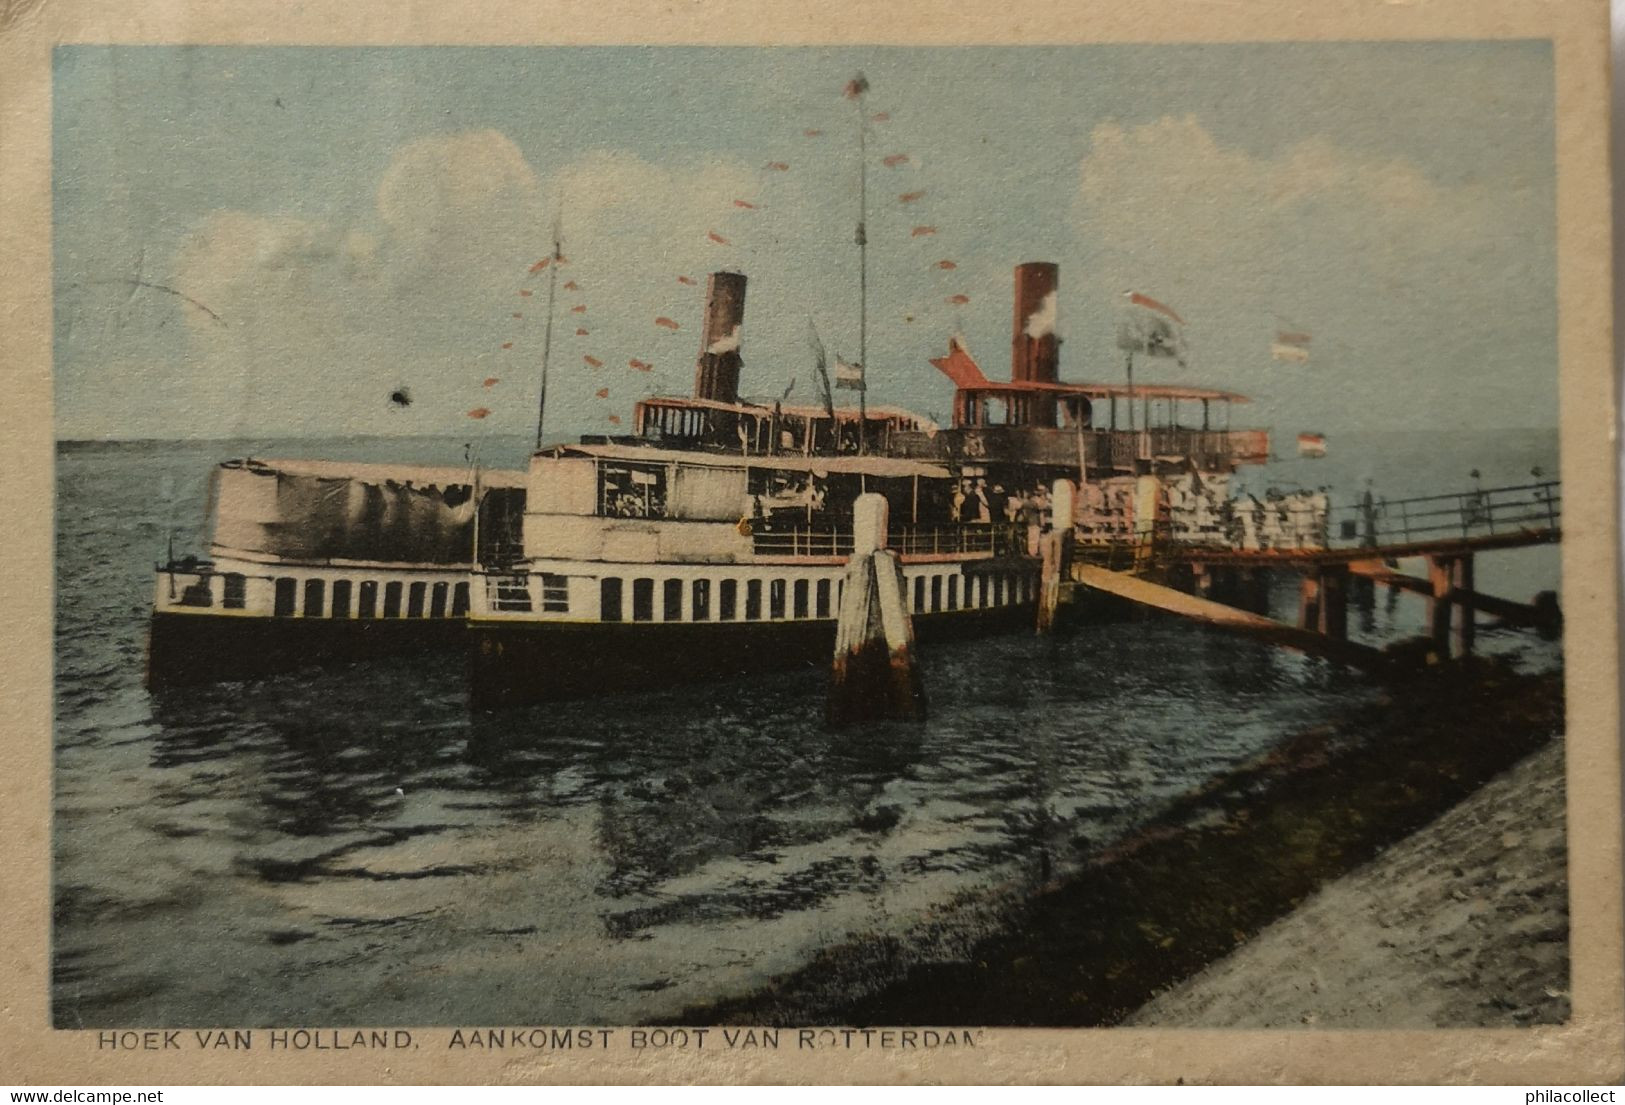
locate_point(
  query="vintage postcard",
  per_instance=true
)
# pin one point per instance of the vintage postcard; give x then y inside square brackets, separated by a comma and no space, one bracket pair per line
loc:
[783,544]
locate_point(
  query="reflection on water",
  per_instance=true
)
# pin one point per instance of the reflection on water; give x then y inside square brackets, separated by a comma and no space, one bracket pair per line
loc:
[350,847]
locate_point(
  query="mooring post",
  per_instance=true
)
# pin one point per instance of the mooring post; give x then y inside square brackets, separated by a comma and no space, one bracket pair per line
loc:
[1440,570]
[1462,588]
[873,675]
[1054,551]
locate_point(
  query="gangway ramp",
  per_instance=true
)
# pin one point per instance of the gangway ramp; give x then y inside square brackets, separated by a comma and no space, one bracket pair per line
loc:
[1144,592]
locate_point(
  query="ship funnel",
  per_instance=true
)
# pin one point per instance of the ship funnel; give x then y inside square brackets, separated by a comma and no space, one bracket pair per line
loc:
[716,375]
[1034,350]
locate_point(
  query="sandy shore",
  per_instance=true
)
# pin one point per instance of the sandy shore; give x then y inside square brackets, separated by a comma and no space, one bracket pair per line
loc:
[1463,923]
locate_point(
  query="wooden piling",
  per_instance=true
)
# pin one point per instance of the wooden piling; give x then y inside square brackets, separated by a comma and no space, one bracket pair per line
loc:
[1439,604]
[873,675]
[1333,613]
[1462,593]
[1055,553]
[1309,603]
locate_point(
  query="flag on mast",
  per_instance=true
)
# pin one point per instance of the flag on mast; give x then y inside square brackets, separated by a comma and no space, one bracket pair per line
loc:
[848,376]
[1147,326]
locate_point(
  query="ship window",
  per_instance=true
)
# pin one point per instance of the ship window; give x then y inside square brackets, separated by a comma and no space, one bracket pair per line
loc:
[313,597]
[341,598]
[822,591]
[437,600]
[998,590]
[981,591]
[555,593]
[509,592]
[236,591]
[775,598]
[415,595]
[287,595]
[671,600]
[701,600]
[392,599]
[643,600]
[459,600]
[609,599]
[728,600]
[628,490]
[196,593]
[367,603]
[753,600]
[801,598]
[953,592]
[919,594]
[936,593]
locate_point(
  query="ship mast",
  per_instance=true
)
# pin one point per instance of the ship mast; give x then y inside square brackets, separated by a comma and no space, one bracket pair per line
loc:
[547,334]
[857,87]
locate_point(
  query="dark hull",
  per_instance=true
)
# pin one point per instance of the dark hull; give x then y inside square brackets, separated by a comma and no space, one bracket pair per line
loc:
[517,663]
[190,649]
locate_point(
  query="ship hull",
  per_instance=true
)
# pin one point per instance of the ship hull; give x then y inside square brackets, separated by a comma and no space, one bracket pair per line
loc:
[516,663]
[186,649]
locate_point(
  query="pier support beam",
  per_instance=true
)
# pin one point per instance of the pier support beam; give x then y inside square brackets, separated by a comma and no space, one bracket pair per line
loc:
[873,676]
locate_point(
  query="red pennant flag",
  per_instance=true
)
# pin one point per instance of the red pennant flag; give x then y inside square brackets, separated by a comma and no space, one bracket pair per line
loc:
[959,300]
[518,314]
[812,133]
[602,393]
[540,265]
[718,239]
[746,205]
[571,286]
[580,333]
[525,292]
[641,366]
[856,87]
[667,323]
[1151,304]
[689,280]
[479,412]
[880,117]
[949,265]
[579,309]
[615,419]
[779,166]
[910,197]
[593,361]
[507,345]
[922,231]
[894,160]
[491,381]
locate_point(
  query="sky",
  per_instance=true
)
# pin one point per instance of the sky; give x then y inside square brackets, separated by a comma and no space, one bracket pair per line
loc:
[269,241]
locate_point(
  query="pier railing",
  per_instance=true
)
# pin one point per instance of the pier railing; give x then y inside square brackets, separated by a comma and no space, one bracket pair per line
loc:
[1482,517]
[1481,512]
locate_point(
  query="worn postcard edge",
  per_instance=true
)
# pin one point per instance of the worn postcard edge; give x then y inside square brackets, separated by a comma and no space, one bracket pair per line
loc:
[1588,1048]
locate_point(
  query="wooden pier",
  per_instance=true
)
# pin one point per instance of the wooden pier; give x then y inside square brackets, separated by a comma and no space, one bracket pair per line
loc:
[1447,531]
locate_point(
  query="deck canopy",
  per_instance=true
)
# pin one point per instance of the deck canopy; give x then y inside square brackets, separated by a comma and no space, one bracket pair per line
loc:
[323,510]
[875,466]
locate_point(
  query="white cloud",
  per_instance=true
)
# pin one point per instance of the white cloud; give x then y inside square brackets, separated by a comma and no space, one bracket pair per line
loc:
[319,321]
[1401,278]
